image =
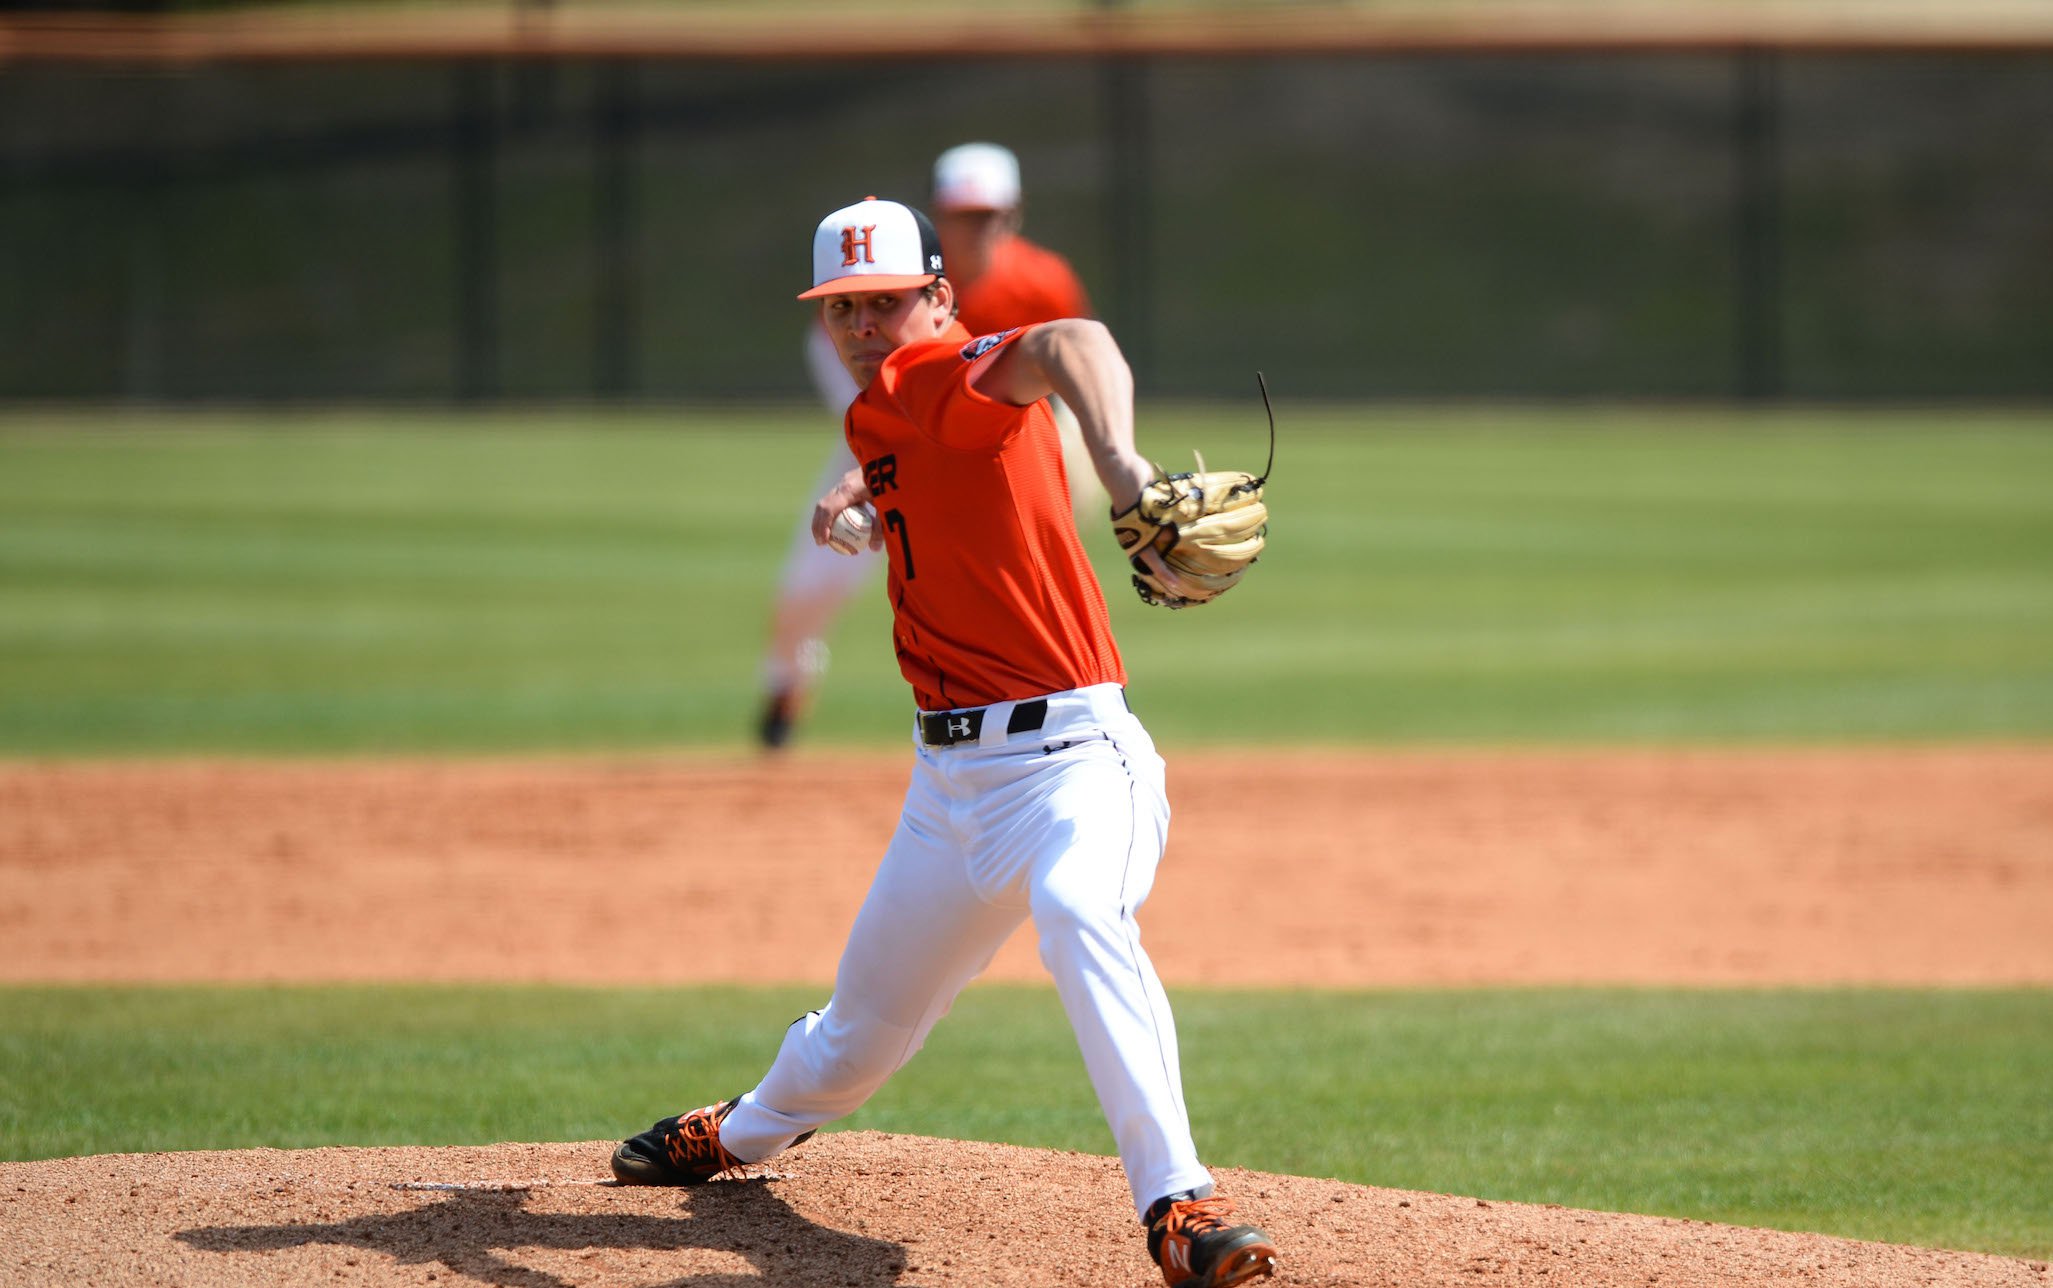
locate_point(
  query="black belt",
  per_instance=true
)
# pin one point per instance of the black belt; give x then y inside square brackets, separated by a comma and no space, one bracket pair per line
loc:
[947,728]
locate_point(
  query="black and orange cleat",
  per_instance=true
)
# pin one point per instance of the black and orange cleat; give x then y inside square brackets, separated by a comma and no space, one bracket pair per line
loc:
[1197,1247]
[684,1150]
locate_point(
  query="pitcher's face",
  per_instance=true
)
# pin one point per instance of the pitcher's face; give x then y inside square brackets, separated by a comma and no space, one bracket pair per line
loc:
[868,326]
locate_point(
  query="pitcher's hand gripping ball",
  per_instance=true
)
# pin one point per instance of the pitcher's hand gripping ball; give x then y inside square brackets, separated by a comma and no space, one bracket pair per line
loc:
[850,532]
[1190,537]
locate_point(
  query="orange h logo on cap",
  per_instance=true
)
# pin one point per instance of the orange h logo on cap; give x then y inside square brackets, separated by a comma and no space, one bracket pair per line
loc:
[853,241]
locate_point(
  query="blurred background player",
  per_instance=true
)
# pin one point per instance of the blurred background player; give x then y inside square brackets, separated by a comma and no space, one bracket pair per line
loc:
[1002,281]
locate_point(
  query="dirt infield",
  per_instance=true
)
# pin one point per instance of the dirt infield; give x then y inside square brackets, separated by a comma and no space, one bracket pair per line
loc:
[1914,866]
[1910,867]
[857,1209]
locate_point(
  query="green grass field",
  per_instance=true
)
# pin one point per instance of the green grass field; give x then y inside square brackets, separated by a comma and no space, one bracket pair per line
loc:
[372,582]
[1917,1117]
[369,583]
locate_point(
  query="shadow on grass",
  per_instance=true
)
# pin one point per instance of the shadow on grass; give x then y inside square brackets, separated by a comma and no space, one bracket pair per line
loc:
[479,1235]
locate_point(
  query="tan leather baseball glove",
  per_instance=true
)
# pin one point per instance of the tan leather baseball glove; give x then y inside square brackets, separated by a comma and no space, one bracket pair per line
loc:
[1190,537]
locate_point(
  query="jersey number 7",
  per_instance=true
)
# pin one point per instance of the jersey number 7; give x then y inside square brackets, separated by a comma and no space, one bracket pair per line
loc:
[896,522]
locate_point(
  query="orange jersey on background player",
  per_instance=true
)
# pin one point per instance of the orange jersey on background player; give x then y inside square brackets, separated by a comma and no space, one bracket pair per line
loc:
[1024,283]
[992,596]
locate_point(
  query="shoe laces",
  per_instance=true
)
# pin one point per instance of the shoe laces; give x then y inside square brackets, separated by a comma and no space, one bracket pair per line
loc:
[1194,1217]
[695,1141]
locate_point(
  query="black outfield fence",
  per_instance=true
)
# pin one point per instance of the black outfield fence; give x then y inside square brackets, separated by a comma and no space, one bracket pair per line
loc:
[1690,219]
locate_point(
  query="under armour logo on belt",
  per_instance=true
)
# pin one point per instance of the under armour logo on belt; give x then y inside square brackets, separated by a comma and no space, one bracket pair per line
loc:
[958,726]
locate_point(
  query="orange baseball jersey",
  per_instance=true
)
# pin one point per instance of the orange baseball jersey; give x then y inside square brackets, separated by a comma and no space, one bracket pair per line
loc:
[1023,284]
[992,597]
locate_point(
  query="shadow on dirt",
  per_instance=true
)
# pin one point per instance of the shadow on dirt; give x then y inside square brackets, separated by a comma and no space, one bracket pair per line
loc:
[480,1236]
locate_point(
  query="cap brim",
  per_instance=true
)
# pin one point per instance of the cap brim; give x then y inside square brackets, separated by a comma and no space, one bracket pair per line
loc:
[866,282]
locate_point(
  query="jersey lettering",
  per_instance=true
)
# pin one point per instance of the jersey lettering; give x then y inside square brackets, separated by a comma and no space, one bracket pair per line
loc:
[853,241]
[881,475]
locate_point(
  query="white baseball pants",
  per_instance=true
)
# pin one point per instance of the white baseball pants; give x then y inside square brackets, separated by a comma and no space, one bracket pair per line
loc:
[1064,824]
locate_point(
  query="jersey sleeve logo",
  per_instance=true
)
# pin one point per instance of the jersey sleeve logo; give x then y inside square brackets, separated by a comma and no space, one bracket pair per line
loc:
[983,344]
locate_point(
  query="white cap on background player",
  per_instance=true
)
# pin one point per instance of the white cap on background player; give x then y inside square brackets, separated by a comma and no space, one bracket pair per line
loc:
[976,176]
[873,246]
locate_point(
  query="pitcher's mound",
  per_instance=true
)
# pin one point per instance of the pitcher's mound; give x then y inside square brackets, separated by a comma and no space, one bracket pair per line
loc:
[850,1208]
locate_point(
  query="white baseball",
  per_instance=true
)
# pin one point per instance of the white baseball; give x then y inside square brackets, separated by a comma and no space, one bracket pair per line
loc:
[850,531]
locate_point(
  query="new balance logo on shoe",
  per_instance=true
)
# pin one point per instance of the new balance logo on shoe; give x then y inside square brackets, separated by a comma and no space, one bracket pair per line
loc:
[1176,1258]
[1195,1247]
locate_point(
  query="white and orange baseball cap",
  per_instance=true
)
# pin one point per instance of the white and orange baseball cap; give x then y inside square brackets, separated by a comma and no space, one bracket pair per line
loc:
[873,246]
[976,176]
